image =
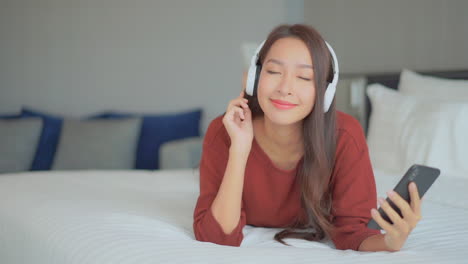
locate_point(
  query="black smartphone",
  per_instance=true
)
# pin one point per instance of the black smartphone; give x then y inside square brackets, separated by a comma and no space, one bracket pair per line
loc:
[423,176]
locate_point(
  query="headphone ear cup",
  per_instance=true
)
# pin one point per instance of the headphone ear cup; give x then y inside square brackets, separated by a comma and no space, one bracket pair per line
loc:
[250,83]
[331,87]
[257,77]
[329,95]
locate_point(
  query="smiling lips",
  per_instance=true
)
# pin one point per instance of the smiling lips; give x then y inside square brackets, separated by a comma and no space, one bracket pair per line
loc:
[280,104]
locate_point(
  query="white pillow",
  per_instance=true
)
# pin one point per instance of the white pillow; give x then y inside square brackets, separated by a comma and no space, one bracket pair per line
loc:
[404,130]
[412,83]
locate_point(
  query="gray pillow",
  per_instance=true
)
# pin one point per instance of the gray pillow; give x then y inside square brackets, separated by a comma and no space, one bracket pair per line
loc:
[97,144]
[181,153]
[18,143]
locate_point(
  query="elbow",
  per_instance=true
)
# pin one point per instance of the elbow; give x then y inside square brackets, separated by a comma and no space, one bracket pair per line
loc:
[221,243]
[341,246]
[346,243]
[232,243]
[203,235]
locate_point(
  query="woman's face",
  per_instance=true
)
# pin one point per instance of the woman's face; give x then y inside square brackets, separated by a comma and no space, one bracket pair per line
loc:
[286,90]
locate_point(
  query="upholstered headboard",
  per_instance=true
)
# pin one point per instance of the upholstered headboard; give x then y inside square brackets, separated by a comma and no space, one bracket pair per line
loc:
[391,80]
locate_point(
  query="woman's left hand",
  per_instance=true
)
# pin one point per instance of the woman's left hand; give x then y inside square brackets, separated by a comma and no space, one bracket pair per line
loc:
[397,233]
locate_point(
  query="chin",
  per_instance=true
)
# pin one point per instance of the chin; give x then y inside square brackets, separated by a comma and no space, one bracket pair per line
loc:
[283,118]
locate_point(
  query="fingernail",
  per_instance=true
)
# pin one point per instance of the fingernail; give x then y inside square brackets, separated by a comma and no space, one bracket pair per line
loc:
[381,200]
[373,212]
[391,193]
[413,186]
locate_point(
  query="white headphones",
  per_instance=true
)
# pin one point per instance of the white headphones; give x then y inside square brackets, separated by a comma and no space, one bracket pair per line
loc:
[255,69]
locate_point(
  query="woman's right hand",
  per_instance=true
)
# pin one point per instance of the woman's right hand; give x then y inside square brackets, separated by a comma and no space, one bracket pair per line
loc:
[238,123]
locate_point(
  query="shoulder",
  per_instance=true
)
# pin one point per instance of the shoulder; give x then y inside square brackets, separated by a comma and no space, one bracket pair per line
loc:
[349,131]
[216,134]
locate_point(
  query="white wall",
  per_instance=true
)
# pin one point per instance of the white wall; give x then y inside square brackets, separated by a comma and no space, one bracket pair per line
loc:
[382,36]
[371,36]
[76,57]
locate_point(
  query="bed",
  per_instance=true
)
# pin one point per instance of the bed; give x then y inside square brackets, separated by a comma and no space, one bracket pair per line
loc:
[146,217]
[139,216]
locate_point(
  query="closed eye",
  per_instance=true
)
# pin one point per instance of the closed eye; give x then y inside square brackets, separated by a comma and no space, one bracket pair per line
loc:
[305,79]
[272,72]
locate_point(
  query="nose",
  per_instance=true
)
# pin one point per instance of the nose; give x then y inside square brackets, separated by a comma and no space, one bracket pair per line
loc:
[286,85]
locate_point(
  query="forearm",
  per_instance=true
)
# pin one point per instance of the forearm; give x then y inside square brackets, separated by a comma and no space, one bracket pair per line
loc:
[226,207]
[375,243]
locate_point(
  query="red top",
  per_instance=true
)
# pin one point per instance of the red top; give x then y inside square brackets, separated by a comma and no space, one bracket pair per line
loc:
[271,196]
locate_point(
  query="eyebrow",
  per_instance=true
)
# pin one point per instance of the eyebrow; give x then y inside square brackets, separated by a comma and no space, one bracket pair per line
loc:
[281,63]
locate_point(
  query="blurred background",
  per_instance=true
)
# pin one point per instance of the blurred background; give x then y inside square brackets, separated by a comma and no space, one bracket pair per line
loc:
[77,57]
[176,64]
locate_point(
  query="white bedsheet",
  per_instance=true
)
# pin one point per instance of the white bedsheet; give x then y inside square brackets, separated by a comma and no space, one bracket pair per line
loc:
[146,217]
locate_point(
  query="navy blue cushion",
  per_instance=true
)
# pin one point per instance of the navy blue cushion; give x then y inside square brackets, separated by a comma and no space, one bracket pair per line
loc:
[111,115]
[48,141]
[158,129]
[10,116]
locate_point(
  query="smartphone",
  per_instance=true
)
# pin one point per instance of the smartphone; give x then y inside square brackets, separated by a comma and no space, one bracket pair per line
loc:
[423,176]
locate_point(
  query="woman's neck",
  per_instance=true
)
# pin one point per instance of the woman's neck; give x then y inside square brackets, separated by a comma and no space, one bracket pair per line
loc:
[285,139]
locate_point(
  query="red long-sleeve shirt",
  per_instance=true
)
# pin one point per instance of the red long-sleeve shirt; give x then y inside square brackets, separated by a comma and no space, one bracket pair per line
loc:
[271,196]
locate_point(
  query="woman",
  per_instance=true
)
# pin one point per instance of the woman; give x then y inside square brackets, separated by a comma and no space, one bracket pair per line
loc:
[281,158]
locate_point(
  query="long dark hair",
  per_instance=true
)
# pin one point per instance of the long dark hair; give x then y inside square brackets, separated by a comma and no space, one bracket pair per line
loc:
[314,175]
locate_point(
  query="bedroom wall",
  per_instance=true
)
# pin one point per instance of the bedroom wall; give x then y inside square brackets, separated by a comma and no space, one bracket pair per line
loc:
[382,36]
[76,57]
[371,36]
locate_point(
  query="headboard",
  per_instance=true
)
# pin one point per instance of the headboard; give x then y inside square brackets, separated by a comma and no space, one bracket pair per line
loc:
[391,80]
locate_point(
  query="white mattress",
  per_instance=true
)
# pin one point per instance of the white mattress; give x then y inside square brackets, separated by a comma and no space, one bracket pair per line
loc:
[146,217]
